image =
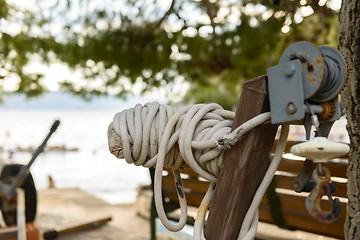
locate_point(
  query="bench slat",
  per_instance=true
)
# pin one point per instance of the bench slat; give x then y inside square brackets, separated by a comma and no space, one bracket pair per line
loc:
[190,185]
[193,199]
[296,203]
[338,169]
[301,221]
[285,182]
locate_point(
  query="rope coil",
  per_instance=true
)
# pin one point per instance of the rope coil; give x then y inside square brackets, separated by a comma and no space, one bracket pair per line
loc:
[145,130]
[194,136]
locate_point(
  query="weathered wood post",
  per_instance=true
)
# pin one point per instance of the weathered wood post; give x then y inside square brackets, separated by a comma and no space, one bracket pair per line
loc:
[244,165]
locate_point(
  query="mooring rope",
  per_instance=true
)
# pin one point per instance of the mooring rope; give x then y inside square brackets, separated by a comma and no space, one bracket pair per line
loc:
[196,136]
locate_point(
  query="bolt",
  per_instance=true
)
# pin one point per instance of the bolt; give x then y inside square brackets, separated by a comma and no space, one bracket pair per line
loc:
[291,108]
[289,70]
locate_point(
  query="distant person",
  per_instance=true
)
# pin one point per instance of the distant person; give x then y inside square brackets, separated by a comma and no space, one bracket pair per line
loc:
[11,154]
[51,182]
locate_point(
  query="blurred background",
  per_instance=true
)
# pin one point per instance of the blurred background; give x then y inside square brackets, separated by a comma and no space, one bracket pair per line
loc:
[81,61]
[77,154]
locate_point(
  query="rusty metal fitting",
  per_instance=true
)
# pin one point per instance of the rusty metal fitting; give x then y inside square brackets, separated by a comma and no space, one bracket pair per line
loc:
[328,112]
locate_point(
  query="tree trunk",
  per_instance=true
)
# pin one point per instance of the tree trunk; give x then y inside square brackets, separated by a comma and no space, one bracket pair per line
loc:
[349,44]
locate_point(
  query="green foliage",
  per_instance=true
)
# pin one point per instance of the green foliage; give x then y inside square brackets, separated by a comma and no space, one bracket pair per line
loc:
[3,9]
[213,47]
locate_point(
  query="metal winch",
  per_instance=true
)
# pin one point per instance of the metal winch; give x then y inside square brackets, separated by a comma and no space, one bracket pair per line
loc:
[307,80]
[303,89]
[18,207]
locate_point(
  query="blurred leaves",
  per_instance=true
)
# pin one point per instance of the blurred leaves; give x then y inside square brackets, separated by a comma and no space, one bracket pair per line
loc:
[212,45]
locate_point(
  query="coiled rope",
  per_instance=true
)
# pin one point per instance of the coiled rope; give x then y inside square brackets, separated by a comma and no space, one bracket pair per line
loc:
[196,136]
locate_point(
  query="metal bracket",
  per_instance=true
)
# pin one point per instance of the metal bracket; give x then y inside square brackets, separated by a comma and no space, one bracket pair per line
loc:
[286,95]
[306,74]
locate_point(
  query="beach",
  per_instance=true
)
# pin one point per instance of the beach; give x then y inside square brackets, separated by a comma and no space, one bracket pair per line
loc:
[59,208]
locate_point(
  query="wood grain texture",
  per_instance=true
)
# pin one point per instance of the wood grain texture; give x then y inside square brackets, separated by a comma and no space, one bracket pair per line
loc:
[244,165]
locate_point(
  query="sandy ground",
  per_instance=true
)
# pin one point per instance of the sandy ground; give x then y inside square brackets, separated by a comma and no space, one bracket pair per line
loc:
[59,208]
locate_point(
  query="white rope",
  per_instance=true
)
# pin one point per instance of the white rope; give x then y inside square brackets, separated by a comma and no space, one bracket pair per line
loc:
[196,136]
[248,231]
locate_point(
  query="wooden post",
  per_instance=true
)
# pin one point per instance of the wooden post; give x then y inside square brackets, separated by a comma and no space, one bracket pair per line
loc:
[244,165]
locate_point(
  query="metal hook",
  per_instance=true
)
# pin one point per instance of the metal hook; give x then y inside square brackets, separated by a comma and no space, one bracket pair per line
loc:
[312,202]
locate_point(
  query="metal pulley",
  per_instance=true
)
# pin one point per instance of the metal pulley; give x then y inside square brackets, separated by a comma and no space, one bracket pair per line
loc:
[8,206]
[18,176]
[306,76]
[303,89]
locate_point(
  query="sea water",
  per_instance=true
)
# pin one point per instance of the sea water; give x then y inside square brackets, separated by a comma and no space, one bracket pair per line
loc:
[91,167]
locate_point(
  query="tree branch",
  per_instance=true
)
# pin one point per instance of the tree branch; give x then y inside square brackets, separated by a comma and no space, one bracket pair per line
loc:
[167,13]
[221,62]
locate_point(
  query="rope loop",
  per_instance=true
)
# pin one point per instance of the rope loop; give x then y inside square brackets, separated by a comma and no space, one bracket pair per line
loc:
[188,135]
[166,137]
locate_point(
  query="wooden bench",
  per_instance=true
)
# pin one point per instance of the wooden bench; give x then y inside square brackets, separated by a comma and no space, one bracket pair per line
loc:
[281,205]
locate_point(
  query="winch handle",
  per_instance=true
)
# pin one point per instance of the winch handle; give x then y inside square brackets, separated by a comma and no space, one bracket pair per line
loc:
[24,171]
